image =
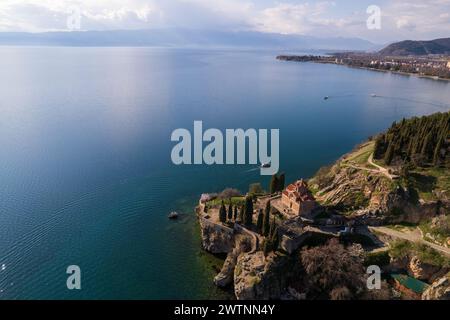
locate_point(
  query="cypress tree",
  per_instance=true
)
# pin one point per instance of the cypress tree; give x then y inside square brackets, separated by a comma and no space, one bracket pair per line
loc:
[230,211]
[259,222]
[223,213]
[266,221]
[235,213]
[274,184]
[274,239]
[281,182]
[248,215]
[272,228]
[241,214]
[267,247]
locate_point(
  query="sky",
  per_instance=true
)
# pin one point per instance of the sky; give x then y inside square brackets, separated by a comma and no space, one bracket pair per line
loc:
[399,20]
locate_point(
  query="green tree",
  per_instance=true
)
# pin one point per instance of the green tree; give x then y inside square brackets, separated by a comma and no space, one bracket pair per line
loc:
[248,215]
[259,221]
[389,154]
[267,246]
[266,221]
[235,213]
[274,184]
[281,182]
[255,189]
[241,214]
[223,213]
[274,238]
[272,228]
[230,211]
[437,151]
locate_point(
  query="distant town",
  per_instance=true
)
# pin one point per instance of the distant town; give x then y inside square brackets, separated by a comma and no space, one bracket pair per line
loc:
[434,65]
[422,58]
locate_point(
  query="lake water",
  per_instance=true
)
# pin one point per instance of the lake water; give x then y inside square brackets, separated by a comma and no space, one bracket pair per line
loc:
[85,170]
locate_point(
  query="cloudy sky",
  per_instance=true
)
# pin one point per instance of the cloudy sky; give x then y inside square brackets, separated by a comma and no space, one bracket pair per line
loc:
[408,19]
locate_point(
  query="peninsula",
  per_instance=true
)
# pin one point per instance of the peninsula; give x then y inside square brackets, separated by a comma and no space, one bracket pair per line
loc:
[386,203]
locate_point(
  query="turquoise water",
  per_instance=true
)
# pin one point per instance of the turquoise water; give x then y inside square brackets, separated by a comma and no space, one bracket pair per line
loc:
[85,170]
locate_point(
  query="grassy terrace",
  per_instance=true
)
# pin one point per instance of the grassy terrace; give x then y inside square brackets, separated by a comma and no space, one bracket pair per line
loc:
[360,156]
[425,181]
[235,201]
[439,234]
[402,248]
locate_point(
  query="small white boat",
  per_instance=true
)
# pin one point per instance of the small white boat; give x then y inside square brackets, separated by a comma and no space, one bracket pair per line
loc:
[373,95]
[326,98]
[173,215]
[265,165]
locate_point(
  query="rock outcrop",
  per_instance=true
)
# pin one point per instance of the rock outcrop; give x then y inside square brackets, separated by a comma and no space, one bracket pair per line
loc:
[439,290]
[258,277]
[371,194]
[226,274]
[216,238]
[420,270]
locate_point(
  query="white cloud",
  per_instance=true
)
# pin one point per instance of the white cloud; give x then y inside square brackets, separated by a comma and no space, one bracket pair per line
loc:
[411,19]
[405,22]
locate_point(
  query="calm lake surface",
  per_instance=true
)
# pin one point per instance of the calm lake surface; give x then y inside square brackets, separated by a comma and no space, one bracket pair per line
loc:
[85,170]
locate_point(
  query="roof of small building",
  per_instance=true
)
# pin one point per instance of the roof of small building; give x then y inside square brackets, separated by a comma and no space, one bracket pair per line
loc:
[299,190]
[411,283]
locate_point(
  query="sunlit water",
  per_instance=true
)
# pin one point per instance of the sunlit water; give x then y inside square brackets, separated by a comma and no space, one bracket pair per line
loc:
[85,170]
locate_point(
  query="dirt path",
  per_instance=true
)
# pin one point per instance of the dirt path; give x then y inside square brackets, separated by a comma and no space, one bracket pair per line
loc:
[380,168]
[413,236]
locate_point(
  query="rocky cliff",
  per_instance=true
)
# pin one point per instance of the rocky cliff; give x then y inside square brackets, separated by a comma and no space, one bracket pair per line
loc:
[258,277]
[362,190]
[439,290]
[216,238]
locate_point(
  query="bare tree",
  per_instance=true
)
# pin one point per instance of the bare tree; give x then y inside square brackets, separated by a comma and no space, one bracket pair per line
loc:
[333,271]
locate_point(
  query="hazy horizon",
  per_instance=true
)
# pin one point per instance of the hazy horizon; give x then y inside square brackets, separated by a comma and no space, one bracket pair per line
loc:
[398,21]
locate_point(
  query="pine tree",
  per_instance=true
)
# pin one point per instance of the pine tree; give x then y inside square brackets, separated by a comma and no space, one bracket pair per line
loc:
[266,221]
[223,213]
[389,154]
[437,151]
[248,215]
[259,221]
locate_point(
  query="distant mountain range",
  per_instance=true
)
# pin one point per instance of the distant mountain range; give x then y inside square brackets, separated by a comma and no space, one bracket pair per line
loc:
[417,48]
[183,38]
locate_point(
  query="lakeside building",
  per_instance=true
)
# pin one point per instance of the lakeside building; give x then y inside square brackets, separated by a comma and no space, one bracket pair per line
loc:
[297,199]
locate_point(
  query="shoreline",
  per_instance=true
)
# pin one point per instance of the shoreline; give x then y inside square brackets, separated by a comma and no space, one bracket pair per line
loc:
[435,78]
[391,71]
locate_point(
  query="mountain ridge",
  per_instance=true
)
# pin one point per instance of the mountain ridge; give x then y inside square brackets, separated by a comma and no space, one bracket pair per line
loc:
[183,38]
[417,48]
